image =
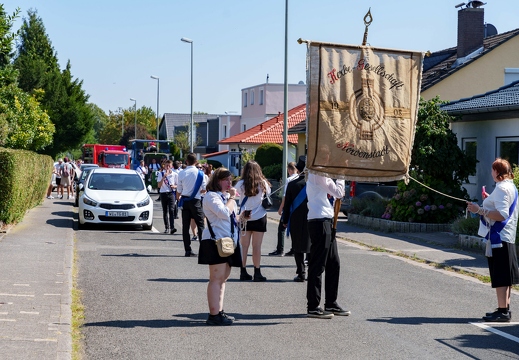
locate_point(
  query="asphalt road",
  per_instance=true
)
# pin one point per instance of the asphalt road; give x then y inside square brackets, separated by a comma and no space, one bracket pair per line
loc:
[145,300]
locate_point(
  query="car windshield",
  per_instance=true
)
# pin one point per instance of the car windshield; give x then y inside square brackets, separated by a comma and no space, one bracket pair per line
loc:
[116,159]
[116,182]
[85,172]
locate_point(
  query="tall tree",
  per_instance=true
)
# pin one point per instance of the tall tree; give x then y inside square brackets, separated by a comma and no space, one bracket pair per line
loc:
[6,35]
[23,124]
[64,99]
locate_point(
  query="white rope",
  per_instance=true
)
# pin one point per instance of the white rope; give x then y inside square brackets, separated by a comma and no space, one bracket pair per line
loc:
[436,191]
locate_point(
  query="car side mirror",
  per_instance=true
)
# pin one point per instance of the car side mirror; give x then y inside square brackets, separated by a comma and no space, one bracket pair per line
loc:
[81,187]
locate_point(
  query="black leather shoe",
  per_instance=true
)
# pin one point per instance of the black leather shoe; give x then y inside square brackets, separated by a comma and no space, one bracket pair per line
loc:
[189,254]
[299,278]
[290,253]
[276,253]
[491,313]
[259,278]
[173,231]
[245,277]
[166,231]
[498,317]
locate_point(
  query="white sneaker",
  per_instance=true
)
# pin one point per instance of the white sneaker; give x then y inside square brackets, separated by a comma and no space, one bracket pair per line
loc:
[71,197]
[50,197]
[60,197]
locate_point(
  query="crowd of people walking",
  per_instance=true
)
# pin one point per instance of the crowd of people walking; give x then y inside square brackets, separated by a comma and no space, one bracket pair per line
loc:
[210,214]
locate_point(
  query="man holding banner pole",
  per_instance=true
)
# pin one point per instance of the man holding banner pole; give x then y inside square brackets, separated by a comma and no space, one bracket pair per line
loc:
[324,256]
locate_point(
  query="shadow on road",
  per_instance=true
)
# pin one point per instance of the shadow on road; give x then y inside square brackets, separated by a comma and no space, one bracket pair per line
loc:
[137,255]
[422,320]
[197,319]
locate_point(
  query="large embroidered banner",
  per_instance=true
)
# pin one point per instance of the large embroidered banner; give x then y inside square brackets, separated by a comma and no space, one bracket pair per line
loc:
[361,111]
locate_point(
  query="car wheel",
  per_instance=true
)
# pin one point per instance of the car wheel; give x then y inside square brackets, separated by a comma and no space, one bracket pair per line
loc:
[147,227]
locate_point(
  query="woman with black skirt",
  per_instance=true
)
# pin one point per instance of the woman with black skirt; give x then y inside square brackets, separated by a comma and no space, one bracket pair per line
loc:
[499,214]
[219,208]
[254,186]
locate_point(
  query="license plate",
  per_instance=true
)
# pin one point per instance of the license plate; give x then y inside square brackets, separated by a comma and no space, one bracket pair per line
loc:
[117,213]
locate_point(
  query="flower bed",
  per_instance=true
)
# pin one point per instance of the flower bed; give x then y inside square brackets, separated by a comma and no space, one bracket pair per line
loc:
[395,226]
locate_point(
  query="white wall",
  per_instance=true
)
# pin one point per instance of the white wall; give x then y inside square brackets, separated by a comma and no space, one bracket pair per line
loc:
[486,133]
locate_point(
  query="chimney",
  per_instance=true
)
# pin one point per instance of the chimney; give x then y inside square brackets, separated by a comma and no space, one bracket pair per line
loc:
[471,30]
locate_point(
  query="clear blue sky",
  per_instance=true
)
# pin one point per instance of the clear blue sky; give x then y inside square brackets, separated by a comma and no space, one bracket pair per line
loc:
[114,46]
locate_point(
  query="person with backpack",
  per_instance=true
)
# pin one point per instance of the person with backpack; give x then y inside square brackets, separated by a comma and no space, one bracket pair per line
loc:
[66,172]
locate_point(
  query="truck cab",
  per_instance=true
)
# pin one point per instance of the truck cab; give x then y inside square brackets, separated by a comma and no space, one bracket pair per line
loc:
[110,156]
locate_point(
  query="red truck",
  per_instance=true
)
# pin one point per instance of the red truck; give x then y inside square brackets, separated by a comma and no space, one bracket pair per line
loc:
[110,156]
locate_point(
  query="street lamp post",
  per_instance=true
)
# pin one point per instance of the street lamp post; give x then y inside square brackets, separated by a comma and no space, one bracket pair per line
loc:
[122,121]
[186,40]
[158,89]
[135,112]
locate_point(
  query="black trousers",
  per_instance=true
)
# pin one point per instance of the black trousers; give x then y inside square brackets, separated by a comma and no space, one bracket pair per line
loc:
[324,257]
[281,236]
[167,200]
[300,263]
[191,209]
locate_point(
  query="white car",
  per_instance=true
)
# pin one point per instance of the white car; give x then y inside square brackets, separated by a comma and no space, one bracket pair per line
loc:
[115,196]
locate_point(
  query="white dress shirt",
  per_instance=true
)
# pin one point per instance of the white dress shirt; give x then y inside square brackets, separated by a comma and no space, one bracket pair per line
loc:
[172,179]
[317,189]
[187,180]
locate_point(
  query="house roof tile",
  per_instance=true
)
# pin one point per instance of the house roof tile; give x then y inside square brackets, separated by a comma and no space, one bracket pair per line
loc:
[503,99]
[439,65]
[270,131]
[205,156]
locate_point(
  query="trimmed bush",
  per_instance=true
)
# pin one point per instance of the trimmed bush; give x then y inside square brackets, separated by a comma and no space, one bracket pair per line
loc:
[24,179]
[269,154]
[273,171]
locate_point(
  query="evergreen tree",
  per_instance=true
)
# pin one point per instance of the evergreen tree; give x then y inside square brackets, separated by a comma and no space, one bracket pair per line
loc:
[63,97]
[23,124]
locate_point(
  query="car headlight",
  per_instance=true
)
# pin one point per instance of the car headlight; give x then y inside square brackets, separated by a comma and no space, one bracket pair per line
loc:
[88,201]
[145,202]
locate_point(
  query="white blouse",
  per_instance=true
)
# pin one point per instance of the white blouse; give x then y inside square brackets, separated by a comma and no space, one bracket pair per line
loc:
[501,199]
[253,203]
[218,214]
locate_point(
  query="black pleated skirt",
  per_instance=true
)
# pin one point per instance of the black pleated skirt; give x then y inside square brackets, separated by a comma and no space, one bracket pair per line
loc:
[208,255]
[503,266]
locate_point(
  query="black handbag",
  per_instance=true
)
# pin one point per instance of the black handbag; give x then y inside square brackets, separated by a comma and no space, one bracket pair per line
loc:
[266,202]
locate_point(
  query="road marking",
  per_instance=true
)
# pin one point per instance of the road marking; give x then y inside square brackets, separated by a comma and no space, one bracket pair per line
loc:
[47,340]
[498,332]
[154,230]
[51,294]
[30,312]
[20,284]
[7,320]
[16,295]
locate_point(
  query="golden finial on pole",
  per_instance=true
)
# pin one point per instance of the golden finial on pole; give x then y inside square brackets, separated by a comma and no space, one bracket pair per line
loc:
[367,21]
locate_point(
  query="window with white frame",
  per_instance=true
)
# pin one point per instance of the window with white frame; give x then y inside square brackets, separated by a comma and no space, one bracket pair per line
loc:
[252,97]
[508,149]
[261,97]
[245,99]
[470,146]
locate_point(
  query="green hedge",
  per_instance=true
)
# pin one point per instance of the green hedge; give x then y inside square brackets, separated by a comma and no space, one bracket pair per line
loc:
[24,179]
